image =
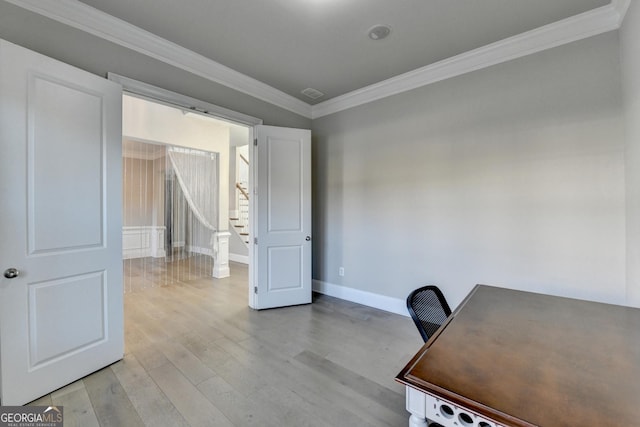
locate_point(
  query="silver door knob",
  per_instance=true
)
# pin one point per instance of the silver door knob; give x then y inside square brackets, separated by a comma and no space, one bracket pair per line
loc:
[11,273]
[308,238]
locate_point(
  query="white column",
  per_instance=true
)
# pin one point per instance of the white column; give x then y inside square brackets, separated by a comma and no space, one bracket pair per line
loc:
[157,242]
[221,255]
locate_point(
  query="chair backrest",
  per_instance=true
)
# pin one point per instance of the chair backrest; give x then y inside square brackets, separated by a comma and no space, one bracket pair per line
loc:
[428,309]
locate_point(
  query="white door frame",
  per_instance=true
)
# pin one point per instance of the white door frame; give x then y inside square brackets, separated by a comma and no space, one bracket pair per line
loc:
[173,99]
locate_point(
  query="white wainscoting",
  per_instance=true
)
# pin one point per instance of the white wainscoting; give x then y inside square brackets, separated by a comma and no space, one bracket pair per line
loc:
[143,241]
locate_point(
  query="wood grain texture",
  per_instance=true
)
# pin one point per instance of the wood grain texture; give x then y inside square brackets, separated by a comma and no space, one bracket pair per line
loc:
[78,411]
[197,355]
[528,359]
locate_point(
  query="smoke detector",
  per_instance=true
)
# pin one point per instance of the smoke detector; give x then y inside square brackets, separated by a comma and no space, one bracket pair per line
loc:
[379,32]
[312,93]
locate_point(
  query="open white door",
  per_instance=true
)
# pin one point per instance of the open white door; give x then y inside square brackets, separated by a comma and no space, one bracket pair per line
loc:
[61,317]
[281,217]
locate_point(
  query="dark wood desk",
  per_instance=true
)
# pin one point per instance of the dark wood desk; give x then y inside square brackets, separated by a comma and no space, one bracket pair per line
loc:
[512,358]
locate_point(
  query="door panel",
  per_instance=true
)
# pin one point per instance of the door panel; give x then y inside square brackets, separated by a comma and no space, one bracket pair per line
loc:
[60,223]
[282,217]
[53,187]
[285,267]
[54,306]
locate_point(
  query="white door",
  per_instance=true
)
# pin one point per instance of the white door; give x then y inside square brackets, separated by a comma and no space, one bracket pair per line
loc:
[61,318]
[281,216]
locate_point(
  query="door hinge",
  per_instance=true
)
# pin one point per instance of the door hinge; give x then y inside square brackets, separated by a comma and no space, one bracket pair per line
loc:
[255,142]
[255,289]
[255,240]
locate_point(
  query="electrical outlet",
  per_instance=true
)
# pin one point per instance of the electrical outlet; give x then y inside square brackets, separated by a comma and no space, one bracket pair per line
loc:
[341,271]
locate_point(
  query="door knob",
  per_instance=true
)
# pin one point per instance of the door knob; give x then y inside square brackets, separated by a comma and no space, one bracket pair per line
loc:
[11,273]
[308,239]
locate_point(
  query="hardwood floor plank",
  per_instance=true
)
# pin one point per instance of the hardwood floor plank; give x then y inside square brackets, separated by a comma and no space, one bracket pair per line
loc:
[188,400]
[293,409]
[190,366]
[77,408]
[241,410]
[150,402]
[323,399]
[212,356]
[150,357]
[110,402]
[369,389]
[242,379]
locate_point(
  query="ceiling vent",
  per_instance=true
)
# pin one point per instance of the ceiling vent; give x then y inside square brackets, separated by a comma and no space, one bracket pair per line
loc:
[312,93]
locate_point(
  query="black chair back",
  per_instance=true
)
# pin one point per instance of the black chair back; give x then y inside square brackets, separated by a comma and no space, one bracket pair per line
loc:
[428,309]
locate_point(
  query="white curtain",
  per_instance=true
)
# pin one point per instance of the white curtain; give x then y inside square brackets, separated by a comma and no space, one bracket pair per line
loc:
[197,173]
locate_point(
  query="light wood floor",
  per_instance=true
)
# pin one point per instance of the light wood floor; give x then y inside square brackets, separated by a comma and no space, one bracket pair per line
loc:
[196,355]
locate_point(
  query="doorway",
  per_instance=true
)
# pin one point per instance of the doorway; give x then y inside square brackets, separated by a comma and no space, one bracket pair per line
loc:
[279,192]
[180,194]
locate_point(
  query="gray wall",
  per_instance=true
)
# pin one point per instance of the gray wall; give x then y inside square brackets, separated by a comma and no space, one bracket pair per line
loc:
[512,175]
[98,56]
[630,49]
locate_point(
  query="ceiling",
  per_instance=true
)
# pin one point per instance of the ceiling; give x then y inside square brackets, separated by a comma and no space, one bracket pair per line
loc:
[272,50]
[323,44]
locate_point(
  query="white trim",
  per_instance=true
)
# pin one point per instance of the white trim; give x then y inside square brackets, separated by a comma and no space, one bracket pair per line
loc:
[143,241]
[86,18]
[100,24]
[199,250]
[621,7]
[578,27]
[242,259]
[381,302]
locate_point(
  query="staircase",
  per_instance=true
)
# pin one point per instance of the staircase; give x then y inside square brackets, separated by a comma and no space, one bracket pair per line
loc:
[241,223]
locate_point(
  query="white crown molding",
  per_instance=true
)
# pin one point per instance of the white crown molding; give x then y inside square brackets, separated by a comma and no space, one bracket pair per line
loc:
[100,24]
[621,7]
[591,23]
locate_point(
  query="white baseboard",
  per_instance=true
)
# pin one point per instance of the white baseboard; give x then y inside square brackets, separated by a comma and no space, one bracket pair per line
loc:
[243,259]
[200,250]
[382,302]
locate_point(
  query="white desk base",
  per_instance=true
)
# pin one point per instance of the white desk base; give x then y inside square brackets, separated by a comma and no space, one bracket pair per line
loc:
[424,407]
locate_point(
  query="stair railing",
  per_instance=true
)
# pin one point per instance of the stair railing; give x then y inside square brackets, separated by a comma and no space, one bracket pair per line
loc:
[242,190]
